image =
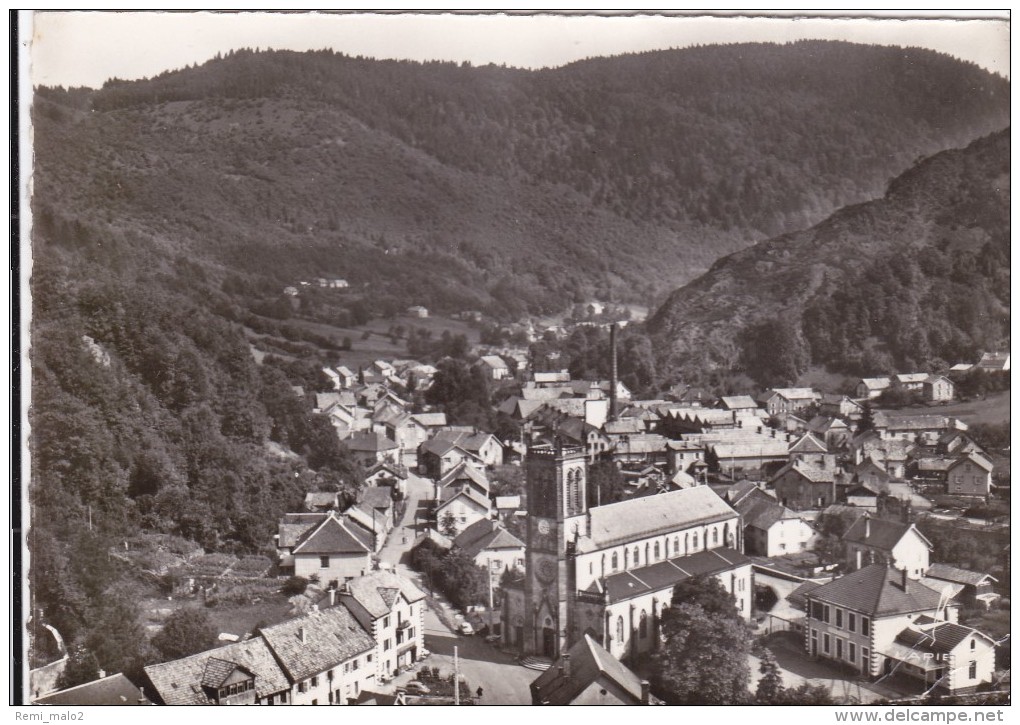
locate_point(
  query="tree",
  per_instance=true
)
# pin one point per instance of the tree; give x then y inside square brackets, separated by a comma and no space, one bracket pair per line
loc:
[448,525]
[708,593]
[770,686]
[464,582]
[867,421]
[703,659]
[187,631]
[605,483]
[81,668]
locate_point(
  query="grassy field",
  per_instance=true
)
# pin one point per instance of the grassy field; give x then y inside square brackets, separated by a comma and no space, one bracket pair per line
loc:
[992,409]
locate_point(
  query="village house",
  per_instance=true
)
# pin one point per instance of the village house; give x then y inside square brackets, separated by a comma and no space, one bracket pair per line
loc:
[462,478]
[327,656]
[388,474]
[687,456]
[484,446]
[779,401]
[649,448]
[833,431]
[877,620]
[931,471]
[491,546]
[970,475]
[495,367]
[956,443]
[923,429]
[913,382]
[770,529]
[752,456]
[322,501]
[862,496]
[589,675]
[392,610]
[840,406]
[938,388]
[890,454]
[439,456]
[462,507]
[323,546]
[965,587]
[417,311]
[803,486]
[115,690]
[870,474]
[809,449]
[871,540]
[994,362]
[738,403]
[871,388]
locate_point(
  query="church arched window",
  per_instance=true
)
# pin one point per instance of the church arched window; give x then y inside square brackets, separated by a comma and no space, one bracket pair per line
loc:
[619,629]
[676,546]
[657,551]
[626,559]
[637,556]
[648,554]
[694,540]
[603,565]
[715,537]
[616,562]
[643,625]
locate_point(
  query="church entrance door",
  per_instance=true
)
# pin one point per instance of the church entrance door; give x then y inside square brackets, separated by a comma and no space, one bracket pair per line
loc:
[549,642]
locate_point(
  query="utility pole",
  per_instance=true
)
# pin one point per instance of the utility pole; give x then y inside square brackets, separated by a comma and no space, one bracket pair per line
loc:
[456,678]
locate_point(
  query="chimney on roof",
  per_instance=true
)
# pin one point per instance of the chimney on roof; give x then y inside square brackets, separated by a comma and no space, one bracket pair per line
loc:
[301,634]
[646,692]
[867,526]
[860,558]
[332,596]
[903,578]
[613,373]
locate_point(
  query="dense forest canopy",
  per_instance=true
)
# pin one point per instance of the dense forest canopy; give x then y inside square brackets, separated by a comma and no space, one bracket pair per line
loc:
[916,280]
[625,176]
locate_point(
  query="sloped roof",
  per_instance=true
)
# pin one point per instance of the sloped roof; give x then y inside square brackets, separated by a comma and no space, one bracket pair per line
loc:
[763,448]
[796,393]
[486,534]
[448,495]
[494,361]
[320,500]
[368,591]
[877,590]
[798,597]
[876,383]
[643,517]
[882,533]
[938,637]
[808,443]
[508,502]
[955,574]
[179,682]
[973,457]
[911,377]
[218,670]
[761,511]
[293,526]
[317,641]
[430,420]
[461,472]
[669,572]
[738,402]
[332,536]
[642,443]
[624,425]
[588,660]
[379,497]
[813,473]
[370,442]
[112,690]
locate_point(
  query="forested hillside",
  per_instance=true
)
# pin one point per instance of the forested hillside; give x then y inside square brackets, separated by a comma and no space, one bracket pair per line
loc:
[443,184]
[916,280]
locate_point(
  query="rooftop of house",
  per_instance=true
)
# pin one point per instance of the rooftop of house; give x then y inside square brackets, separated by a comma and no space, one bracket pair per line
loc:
[948,573]
[431,420]
[976,458]
[793,393]
[936,636]
[378,497]
[510,503]
[876,383]
[667,573]
[878,591]
[376,592]
[486,535]
[582,666]
[916,422]
[333,536]
[761,511]
[316,642]
[370,443]
[879,533]
[642,443]
[808,443]
[495,362]
[640,518]
[809,470]
[738,402]
[448,495]
[111,690]
[180,682]
[466,473]
[754,446]
[320,500]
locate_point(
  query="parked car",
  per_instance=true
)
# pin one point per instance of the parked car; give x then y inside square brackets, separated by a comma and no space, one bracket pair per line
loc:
[417,688]
[466,628]
[493,639]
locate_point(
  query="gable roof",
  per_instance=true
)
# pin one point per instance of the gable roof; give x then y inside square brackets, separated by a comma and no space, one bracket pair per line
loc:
[370,442]
[486,534]
[293,526]
[973,457]
[813,473]
[495,362]
[179,682]
[430,420]
[643,517]
[938,637]
[333,536]
[448,496]
[738,402]
[317,641]
[464,472]
[112,690]
[808,443]
[881,533]
[956,575]
[376,497]
[377,591]
[588,661]
[320,500]
[761,511]
[877,590]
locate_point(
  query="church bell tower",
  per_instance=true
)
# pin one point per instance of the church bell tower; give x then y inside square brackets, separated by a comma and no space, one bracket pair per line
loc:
[557,507]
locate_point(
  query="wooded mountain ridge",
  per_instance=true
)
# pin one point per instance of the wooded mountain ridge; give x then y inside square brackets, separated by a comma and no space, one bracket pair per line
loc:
[494,188]
[916,280]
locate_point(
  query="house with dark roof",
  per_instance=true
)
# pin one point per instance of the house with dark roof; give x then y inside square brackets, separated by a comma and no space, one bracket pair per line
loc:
[856,618]
[871,388]
[438,456]
[462,506]
[779,401]
[811,449]
[392,610]
[326,655]
[494,366]
[589,675]
[871,540]
[325,546]
[803,485]
[938,388]
[738,402]
[485,446]
[388,474]
[321,501]
[840,406]
[968,587]
[944,656]
[492,546]
[372,448]
[106,691]
[771,529]
[970,475]
[241,673]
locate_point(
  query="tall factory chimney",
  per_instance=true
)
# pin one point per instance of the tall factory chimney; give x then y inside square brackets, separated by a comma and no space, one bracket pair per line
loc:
[613,373]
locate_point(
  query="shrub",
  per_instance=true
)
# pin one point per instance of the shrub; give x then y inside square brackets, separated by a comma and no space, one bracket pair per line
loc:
[294,586]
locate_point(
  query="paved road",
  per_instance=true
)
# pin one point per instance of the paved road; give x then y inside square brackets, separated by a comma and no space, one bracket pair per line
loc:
[504,682]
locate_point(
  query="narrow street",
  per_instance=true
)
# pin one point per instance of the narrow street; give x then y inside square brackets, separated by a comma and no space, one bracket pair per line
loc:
[502,679]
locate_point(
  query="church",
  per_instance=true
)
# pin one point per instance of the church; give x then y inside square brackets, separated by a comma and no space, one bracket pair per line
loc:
[609,571]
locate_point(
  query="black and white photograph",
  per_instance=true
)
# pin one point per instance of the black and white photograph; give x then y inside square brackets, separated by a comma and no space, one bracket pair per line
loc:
[505,358]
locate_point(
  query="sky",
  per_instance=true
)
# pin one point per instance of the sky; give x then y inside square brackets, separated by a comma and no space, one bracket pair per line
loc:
[88,48]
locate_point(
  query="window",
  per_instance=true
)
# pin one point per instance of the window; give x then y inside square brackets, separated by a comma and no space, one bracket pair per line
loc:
[637,556]
[825,613]
[410,632]
[347,667]
[973,644]
[271,700]
[839,618]
[656,550]
[715,536]
[315,702]
[839,648]
[676,546]
[851,621]
[354,665]
[865,659]
[323,562]
[852,654]
[386,622]
[626,559]
[865,626]
[386,645]
[616,563]
[825,643]
[368,658]
[643,625]
[283,698]
[302,687]
[591,567]
[972,671]
[315,680]
[619,629]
